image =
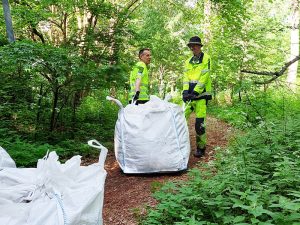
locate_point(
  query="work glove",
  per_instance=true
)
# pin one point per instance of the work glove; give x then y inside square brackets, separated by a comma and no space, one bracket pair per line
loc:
[195,94]
[208,97]
[186,96]
[136,96]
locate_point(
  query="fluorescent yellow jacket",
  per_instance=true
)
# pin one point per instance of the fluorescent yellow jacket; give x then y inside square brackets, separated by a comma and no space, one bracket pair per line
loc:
[197,75]
[139,70]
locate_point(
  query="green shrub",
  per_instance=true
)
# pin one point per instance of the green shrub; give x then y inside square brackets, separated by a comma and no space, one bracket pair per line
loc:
[256,180]
[27,154]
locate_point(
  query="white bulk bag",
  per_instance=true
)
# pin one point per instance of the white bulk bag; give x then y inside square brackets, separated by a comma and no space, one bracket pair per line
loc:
[54,193]
[151,137]
[5,159]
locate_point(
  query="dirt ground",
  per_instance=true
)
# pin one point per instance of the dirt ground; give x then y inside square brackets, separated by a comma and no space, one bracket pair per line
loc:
[126,196]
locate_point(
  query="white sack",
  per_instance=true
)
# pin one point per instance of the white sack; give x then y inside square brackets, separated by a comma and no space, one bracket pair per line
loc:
[54,193]
[5,159]
[151,137]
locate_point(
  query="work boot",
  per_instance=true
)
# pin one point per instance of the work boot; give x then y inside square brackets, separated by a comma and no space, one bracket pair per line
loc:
[199,152]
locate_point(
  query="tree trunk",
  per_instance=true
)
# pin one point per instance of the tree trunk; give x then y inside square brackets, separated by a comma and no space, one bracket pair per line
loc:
[215,92]
[206,24]
[54,107]
[113,49]
[232,94]
[161,81]
[39,103]
[8,21]
[240,96]
[241,78]
[65,27]
[39,110]
[292,72]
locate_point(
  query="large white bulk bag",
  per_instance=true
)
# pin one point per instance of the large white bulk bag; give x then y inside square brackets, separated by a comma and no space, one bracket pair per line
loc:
[151,137]
[54,193]
[5,159]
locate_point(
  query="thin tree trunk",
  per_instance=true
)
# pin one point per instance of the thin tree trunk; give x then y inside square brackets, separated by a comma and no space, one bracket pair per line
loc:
[8,21]
[215,92]
[232,94]
[240,96]
[161,81]
[39,103]
[39,111]
[54,107]
[206,24]
[292,72]
[113,51]
[65,27]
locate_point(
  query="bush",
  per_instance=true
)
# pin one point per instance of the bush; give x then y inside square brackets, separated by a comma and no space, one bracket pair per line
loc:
[256,180]
[27,154]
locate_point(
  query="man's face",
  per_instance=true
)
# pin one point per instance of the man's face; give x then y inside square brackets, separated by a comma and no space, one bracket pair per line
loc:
[146,57]
[196,49]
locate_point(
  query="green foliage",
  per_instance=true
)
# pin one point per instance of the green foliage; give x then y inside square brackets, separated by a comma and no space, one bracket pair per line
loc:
[244,38]
[256,107]
[71,54]
[254,181]
[43,97]
[41,79]
[26,154]
[97,117]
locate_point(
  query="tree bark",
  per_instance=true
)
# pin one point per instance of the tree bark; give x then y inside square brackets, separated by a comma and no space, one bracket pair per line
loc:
[292,71]
[8,21]
[161,72]
[35,32]
[76,102]
[113,50]
[206,24]
[54,107]
[39,104]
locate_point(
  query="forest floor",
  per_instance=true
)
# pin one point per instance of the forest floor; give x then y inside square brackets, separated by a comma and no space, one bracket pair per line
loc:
[127,196]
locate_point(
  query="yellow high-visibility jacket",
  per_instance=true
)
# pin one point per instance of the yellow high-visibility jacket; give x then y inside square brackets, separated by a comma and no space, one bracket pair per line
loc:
[197,75]
[139,70]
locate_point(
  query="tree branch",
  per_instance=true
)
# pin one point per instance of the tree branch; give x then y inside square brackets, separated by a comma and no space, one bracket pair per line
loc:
[56,23]
[130,4]
[275,74]
[264,73]
[130,12]
[45,75]
[40,35]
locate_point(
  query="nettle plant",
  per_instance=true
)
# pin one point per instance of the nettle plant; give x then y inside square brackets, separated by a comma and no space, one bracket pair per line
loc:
[253,181]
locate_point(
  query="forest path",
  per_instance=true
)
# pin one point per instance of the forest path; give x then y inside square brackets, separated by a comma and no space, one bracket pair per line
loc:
[127,195]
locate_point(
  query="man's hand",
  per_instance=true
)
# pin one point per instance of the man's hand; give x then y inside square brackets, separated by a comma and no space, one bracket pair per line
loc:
[136,96]
[186,96]
[195,94]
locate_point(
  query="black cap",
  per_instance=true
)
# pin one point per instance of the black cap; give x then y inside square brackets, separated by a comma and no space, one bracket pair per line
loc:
[195,41]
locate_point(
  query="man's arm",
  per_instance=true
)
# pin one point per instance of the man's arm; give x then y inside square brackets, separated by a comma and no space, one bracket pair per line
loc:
[185,78]
[138,84]
[185,88]
[138,81]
